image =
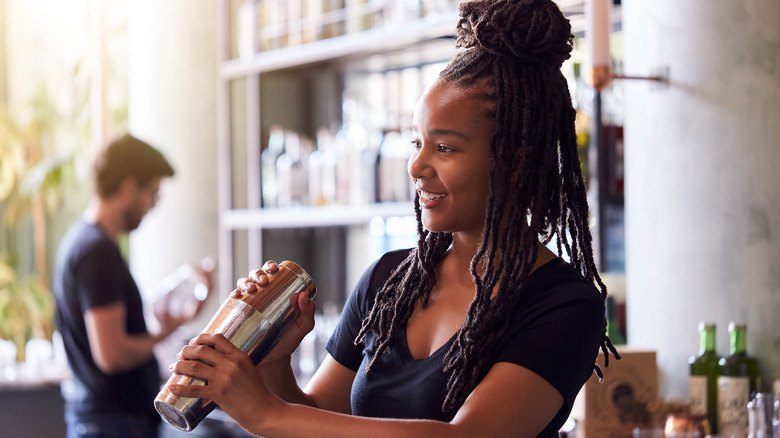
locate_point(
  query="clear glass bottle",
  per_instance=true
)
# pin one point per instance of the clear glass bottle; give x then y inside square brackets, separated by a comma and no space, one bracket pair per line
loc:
[247,21]
[291,174]
[268,159]
[358,16]
[395,185]
[738,379]
[703,378]
[328,168]
[761,416]
[312,19]
[334,16]
[183,292]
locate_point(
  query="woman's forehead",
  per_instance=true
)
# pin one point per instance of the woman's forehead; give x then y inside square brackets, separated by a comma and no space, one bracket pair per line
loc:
[467,103]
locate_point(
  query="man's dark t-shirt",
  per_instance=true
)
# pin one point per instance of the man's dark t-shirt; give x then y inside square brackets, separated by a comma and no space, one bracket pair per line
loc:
[90,272]
[555,332]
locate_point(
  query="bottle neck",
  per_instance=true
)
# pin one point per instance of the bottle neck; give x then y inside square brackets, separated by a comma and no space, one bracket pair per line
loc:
[610,308]
[738,340]
[707,339]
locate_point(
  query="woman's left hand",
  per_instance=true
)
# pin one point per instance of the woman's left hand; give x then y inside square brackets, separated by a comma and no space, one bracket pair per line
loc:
[233,382]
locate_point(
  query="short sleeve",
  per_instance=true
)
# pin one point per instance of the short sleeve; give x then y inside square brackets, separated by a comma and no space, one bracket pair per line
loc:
[99,275]
[341,344]
[557,335]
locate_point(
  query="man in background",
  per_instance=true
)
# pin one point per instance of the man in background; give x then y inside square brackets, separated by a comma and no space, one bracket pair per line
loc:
[99,308]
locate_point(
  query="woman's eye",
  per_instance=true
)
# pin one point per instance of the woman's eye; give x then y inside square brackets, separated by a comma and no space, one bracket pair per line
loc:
[445,148]
[416,144]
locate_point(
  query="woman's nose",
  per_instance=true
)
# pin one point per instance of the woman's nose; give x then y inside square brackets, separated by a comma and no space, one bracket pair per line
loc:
[419,165]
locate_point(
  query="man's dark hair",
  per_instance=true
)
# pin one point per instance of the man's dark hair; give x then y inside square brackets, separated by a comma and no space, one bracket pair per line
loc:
[513,57]
[124,157]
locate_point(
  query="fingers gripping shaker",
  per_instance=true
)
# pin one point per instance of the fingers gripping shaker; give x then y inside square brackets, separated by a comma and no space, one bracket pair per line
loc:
[253,323]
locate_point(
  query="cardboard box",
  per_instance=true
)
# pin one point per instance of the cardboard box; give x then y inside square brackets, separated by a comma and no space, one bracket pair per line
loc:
[614,407]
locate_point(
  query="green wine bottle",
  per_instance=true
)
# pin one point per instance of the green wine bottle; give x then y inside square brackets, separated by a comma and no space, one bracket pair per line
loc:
[738,380]
[704,372]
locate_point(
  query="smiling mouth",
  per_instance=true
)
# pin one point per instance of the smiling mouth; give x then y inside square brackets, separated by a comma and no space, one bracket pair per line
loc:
[428,196]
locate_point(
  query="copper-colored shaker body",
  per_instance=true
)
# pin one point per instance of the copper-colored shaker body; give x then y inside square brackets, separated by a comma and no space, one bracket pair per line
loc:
[253,323]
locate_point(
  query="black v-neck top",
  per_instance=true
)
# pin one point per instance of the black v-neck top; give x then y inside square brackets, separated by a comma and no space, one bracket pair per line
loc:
[555,332]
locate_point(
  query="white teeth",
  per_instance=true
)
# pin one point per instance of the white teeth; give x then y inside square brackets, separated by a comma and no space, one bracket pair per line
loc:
[430,196]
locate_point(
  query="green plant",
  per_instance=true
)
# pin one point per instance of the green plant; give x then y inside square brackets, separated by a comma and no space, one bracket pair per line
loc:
[35,171]
[26,309]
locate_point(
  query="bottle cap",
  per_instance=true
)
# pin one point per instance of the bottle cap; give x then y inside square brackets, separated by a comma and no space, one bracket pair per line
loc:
[737,325]
[705,325]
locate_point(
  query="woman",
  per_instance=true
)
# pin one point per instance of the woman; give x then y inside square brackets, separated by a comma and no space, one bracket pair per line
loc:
[480,330]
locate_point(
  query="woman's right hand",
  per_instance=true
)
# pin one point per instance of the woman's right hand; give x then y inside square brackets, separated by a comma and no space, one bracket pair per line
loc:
[302,323]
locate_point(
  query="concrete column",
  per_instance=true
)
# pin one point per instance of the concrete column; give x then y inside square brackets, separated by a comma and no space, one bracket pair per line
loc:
[702,181]
[172,105]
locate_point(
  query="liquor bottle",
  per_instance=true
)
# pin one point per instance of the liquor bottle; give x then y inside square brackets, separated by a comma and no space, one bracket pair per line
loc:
[294,22]
[291,177]
[268,159]
[370,166]
[315,178]
[328,163]
[247,29]
[276,32]
[183,291]
[704,372]
[334,17]
[613,328]
[738,380]
[394,182]
[312,30]
[358,16]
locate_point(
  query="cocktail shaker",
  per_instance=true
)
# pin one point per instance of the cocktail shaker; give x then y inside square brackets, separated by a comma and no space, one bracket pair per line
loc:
[254,323]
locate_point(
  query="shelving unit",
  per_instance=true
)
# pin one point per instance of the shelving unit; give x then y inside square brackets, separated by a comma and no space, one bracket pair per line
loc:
[370,42]
[387,46]
[415,42]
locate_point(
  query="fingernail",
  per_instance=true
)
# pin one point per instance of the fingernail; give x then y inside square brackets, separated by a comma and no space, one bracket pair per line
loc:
[306,299]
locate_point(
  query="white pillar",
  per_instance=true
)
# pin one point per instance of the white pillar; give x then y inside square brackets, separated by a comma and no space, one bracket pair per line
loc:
[702,180]
[172,105]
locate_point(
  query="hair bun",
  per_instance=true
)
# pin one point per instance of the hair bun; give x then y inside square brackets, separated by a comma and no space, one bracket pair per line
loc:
[530,31]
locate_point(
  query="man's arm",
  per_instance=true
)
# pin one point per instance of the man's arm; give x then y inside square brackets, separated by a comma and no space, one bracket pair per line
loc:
[113,349]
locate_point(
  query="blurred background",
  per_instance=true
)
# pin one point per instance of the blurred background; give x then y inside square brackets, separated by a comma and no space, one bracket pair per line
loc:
[286,123]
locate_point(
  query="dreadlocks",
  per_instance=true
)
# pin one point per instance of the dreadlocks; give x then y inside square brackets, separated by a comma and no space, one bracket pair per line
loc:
[514,50]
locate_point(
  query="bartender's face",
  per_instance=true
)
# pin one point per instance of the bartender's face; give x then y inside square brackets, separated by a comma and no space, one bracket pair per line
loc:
[145,197]
[451,158]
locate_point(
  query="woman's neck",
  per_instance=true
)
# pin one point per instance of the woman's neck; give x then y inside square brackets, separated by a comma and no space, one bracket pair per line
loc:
[464,248]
